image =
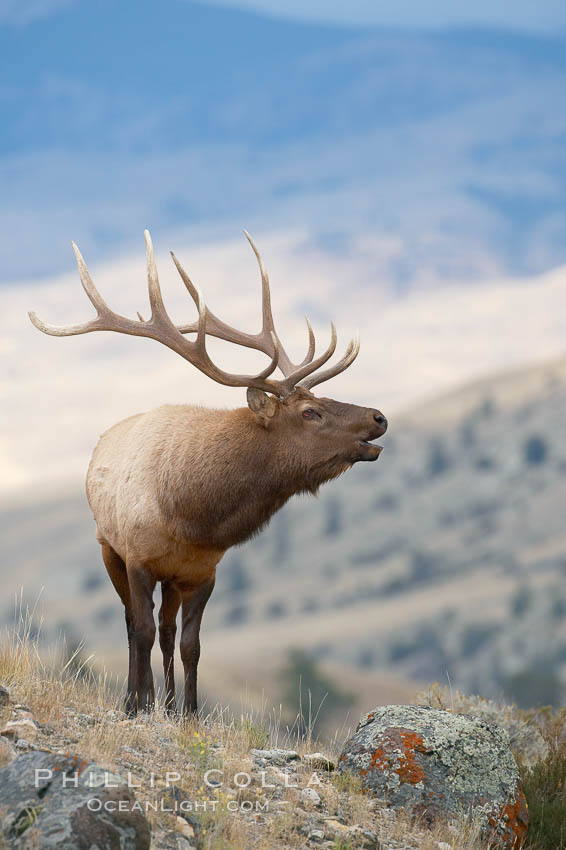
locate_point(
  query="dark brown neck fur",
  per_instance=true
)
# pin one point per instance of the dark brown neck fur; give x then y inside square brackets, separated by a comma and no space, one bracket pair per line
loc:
[244,475]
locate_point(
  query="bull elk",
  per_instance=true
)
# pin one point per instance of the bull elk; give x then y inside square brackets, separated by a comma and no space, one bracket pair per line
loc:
[172,489]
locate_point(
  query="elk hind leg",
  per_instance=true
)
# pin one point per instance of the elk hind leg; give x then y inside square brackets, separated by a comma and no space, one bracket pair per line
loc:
[116,569]
[170,603]
[142,585]
[194,602]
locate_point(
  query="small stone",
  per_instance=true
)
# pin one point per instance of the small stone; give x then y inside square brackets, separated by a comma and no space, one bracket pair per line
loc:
[442,845]
[7,752]
[276,755]
[20,728]
[278,805]
[354,835]
[113,715]
[23,714]
[336,826]
[318,761]
[184,828]
[364,838]
[316,835]
[274,776]
[310,796]
[22,744]
[4,695]
[131,750]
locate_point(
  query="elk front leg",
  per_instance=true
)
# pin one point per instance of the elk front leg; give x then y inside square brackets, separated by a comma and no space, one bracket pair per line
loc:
[142,585]
[116,569]
[194,601]
[170,603]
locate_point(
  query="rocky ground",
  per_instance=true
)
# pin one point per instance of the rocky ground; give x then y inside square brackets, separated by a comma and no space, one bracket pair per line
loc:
[220,781]
[275,797]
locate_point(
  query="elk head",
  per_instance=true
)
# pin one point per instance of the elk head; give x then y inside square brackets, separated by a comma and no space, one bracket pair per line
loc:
[328,435]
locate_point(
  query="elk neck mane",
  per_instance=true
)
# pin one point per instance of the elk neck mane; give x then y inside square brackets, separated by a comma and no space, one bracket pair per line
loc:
[220,475]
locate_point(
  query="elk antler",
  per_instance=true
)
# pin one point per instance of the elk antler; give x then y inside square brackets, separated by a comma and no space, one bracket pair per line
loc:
[263,341]
[161,328]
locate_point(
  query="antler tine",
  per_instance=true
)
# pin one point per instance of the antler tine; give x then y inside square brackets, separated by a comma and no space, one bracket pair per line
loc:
[106,319]
[310,353]
[266,313]
[272,366]
[351,353]
[153,287]
[185,278]
[92,292]
[60,330]
[285,363]
[300,372]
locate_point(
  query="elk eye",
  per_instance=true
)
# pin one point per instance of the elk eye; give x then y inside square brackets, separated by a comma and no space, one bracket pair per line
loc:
[309,413]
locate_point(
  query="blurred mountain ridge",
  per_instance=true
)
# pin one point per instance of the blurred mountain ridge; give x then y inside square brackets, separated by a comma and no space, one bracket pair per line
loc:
[446,558]
[206,118]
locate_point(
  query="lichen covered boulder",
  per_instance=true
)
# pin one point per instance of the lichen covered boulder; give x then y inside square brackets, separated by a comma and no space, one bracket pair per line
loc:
[49,800]
[436,765]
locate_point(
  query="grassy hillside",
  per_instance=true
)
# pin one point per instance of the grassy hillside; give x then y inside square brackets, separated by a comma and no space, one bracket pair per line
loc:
[75,712]
[445,560]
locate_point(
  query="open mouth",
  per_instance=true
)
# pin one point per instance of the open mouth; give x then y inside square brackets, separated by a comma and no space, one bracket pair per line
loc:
[367,450]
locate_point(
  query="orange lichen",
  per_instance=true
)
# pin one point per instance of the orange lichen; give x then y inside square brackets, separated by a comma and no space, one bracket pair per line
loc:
[514,818]
[379,760]
[408,770]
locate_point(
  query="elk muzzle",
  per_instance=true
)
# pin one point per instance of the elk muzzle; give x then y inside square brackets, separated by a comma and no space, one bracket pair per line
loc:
[366,449]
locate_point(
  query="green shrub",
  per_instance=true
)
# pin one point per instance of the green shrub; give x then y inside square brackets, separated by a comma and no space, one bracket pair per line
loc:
[544,785]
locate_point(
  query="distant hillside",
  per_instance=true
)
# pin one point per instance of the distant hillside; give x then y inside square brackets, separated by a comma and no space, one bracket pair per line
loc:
[440,152]
[447,558]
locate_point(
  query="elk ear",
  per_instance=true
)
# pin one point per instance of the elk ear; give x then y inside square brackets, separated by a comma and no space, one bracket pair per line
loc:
[263,405]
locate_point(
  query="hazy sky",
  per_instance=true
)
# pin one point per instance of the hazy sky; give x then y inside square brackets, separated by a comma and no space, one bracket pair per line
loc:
[206,118]
[545,15]
[520,14]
